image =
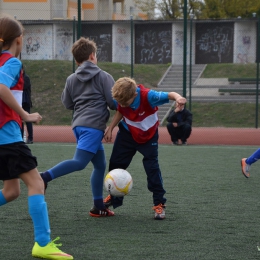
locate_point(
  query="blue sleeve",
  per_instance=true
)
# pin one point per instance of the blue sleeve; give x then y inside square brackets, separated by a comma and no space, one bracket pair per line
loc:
[157,98]
[115,102]
[10,72]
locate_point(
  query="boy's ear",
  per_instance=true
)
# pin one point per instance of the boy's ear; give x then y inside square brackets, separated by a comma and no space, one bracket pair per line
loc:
[92,56]
[19,40]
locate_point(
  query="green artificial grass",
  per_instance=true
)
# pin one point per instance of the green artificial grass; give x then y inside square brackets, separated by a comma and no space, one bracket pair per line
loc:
[212,210]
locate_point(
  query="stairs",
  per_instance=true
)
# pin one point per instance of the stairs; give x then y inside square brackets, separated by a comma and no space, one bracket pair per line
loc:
[173,81]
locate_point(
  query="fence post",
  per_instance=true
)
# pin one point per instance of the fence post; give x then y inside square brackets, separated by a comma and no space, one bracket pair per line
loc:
[257,68]
[74,38]
[184,47]
[132,47]
[79,19]
[190,96]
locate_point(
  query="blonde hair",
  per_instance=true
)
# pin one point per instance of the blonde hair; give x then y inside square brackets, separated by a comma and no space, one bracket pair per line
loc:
[82,48]
[10,29]
[123,90]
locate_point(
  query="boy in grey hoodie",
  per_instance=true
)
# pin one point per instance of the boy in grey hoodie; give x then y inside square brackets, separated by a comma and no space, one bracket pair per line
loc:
[88,94]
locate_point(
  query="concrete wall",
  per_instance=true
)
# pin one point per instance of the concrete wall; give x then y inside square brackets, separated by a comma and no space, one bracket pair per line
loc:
[53,40]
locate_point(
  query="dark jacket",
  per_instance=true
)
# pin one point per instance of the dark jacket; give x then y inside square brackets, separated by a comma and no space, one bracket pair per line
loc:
[185,115]
[26,90]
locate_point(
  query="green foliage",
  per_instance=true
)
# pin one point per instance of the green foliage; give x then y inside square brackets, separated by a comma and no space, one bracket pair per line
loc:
[224,115]
[48,78]
[230,71]
[230,9]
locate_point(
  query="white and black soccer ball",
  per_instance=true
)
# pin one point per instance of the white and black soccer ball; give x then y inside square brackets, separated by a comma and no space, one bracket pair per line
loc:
[118,182]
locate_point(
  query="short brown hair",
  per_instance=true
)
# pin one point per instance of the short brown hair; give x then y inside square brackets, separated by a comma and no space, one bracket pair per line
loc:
[10,29]
[82,48]
[124,89]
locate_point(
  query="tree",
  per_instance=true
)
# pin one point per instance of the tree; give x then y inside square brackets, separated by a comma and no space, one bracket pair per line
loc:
[170,9]
[202,9]
[230,8]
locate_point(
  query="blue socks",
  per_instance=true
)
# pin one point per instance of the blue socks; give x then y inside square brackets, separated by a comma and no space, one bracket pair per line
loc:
[79,162]
[39,214]
[254,157]
[97,177]
[2,199]
[99,204]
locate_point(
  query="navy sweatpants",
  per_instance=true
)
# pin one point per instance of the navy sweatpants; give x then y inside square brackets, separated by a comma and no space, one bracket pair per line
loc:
[125,147]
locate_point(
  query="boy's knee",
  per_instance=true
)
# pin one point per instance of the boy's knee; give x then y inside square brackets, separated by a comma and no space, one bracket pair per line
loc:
[11,194]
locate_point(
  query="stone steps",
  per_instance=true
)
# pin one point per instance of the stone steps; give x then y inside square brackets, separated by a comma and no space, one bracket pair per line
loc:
[173,81]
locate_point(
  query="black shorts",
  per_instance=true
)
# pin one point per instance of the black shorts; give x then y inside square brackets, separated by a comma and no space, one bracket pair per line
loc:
[15,159]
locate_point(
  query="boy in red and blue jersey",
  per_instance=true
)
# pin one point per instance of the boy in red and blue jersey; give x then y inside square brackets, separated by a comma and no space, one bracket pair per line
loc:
[16,159]
[138,132]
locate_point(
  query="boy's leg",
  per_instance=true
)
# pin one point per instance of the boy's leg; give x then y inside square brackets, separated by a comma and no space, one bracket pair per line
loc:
[29,127]
[10,191]
[254,157]
[79,162]
[123,151]
[185,132]
[155,183]
[43,247]
[17,158]
[150,161]
[96,179]
[246,162]
[88,143]
[172,132]
[37,206]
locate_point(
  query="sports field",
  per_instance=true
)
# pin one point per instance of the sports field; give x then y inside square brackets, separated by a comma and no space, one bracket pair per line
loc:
[212,212]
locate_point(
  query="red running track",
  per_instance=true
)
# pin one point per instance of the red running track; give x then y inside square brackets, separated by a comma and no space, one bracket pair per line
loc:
[199,135]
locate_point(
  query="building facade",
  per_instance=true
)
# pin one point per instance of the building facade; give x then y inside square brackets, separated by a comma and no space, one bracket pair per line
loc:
[68,9]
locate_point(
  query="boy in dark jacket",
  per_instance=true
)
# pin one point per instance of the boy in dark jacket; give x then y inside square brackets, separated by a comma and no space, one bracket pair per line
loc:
[180,122]
[27,104]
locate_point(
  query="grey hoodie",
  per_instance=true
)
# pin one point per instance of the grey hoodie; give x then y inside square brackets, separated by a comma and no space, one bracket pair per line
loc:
[88,93]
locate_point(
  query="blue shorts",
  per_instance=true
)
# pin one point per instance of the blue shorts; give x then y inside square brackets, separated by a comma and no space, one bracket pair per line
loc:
[88,139]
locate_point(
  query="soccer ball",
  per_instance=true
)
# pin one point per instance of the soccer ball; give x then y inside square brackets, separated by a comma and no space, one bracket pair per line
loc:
[118,182]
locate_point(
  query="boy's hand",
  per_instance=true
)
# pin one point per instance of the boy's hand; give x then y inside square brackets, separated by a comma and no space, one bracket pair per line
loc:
[108,135]
[179,105]
[34,118]
[181,101]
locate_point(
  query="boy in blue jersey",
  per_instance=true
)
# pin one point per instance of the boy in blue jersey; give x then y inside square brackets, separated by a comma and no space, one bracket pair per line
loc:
[246,162]
[16,159]
[138,132]
[88,93]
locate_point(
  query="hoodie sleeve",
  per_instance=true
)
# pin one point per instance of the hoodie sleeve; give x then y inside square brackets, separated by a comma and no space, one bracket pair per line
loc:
[66,97]
[108,83]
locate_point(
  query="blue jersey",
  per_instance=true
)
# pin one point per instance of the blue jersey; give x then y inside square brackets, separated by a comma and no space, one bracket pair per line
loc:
[9,75]
[155,98]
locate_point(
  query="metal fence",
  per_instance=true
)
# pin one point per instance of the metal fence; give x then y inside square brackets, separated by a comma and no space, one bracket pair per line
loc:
[133,42]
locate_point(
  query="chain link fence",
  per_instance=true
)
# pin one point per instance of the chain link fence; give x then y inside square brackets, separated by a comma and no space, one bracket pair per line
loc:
[222,65]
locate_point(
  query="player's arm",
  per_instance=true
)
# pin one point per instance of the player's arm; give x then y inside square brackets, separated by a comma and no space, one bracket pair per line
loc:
[116,119]
[177,97]
[8,98]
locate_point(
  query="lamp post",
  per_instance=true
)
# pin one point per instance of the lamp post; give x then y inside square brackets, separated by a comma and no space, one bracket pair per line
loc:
[257,66]
[190,83]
